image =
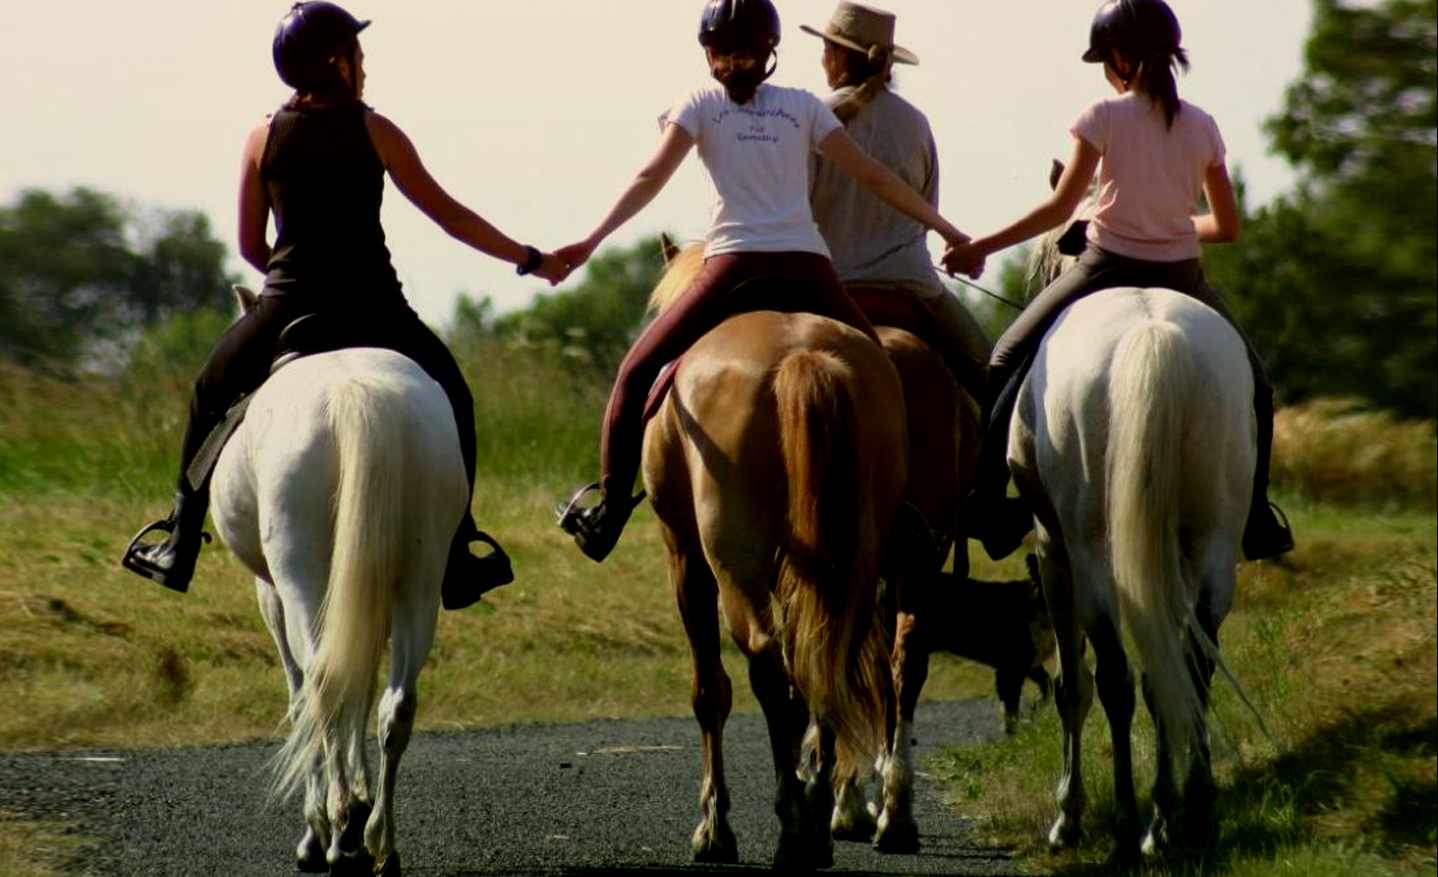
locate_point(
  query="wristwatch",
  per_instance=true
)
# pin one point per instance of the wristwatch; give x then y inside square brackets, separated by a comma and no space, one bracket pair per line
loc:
[531,263]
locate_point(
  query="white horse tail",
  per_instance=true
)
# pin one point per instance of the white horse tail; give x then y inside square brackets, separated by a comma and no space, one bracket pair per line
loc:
[339,678]
[827,590]
[1149,388]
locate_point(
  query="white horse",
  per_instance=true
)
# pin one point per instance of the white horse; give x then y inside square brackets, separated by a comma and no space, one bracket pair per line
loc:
[341,491]
[1133,442]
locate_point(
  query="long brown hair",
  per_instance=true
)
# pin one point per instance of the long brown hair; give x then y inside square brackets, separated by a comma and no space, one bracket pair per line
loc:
[871,72]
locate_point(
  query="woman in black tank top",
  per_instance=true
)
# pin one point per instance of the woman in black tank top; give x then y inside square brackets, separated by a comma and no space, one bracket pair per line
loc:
[318,164]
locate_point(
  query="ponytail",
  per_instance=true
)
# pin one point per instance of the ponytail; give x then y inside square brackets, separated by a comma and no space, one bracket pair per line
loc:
[1154,77]
[871,71]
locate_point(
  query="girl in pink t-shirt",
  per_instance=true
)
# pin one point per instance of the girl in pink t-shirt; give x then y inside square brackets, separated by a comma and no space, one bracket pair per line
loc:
[1154,154]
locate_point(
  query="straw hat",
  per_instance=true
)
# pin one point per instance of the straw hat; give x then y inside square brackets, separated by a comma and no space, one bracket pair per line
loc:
[863,29]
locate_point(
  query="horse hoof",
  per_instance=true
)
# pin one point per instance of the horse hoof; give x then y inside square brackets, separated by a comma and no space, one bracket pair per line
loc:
[798,858]
[360,864]
[853,831]
[310,855]
[1064,835]
[715,848]
[859,824]
[388,866]
[716,855]
[900,839]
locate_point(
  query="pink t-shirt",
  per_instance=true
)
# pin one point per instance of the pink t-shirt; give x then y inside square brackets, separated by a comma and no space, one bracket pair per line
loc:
[1150,176]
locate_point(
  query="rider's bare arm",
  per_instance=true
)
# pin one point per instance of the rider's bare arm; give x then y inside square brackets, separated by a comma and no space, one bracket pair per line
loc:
[1071,189]
[254,202]
[414,181]
[1222,223]
[674,144]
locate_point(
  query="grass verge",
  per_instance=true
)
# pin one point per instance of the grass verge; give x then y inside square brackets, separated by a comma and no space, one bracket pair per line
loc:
[1338,651]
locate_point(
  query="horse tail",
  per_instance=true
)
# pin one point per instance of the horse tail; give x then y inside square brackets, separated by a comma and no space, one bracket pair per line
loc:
[1150,386]
[354,620]
[828,580]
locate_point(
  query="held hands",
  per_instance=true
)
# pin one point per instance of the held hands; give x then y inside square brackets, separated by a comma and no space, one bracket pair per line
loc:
[575,255]
[552,268]
[964,258]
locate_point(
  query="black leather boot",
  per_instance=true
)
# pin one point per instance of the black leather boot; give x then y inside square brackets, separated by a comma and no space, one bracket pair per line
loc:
[467,577]
[597,528]
[1266,533]
[171,562]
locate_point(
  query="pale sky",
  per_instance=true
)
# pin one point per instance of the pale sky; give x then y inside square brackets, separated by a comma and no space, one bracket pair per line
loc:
[536,113]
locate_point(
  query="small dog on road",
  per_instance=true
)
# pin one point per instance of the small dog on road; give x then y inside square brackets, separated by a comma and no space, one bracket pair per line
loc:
[1004,625]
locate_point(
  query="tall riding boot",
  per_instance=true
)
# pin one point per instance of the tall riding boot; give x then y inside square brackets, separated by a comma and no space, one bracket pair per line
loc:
[171,562]
[989,514]
[1264,535]
[596,529]
[468,577]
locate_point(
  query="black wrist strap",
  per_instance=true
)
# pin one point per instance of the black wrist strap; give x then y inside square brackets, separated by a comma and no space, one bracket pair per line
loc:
[531,264]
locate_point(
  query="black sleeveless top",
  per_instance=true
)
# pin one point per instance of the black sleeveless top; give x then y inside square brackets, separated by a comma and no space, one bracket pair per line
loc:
[326,182]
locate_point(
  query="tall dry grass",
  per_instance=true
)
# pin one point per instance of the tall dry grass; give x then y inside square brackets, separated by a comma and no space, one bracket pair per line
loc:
[1342,452]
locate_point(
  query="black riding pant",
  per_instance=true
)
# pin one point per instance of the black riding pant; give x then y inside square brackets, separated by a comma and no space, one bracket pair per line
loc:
[241,361]
[1097,269]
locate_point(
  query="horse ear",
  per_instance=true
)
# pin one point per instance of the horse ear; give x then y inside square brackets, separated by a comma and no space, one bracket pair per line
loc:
[246,298]
[671,249]
[1056,170]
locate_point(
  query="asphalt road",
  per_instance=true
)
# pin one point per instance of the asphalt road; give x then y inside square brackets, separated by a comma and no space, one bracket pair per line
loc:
[595,798]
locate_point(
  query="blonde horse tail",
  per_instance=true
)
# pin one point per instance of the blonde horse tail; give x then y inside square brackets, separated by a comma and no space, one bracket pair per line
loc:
[827,583]
[339,679]
[1149,389]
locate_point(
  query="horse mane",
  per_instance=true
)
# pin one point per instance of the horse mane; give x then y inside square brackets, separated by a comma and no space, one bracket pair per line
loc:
[1045,262]
[680,266]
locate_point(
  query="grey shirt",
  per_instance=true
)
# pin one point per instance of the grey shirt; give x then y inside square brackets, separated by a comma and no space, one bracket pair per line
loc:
[871,242]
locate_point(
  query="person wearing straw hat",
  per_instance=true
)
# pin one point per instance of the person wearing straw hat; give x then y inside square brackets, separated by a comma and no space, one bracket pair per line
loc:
[876,249]
[754,140]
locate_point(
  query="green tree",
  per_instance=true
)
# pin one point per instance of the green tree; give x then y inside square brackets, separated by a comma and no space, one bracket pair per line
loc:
[81,271]
[1337,283]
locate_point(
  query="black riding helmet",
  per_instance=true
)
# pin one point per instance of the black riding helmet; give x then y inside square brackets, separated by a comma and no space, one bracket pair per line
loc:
[308,38]
[739,24]
[1140,28]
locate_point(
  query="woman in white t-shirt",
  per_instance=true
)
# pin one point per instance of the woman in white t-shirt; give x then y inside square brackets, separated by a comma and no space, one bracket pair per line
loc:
[755,140]
[1155,154]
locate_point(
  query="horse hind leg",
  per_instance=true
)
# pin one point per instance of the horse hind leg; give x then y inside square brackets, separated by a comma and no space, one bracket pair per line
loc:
[310,850]
[804,805]
[411,635]
[711,697]
[855,817]
[896,830]
[1116,692]
[1183,814]
[1073,696]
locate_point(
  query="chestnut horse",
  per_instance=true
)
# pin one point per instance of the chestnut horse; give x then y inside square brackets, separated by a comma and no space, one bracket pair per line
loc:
[775,465]
[943,429]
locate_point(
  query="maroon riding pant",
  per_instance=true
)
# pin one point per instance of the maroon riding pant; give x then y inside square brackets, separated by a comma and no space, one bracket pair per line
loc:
[716,292]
